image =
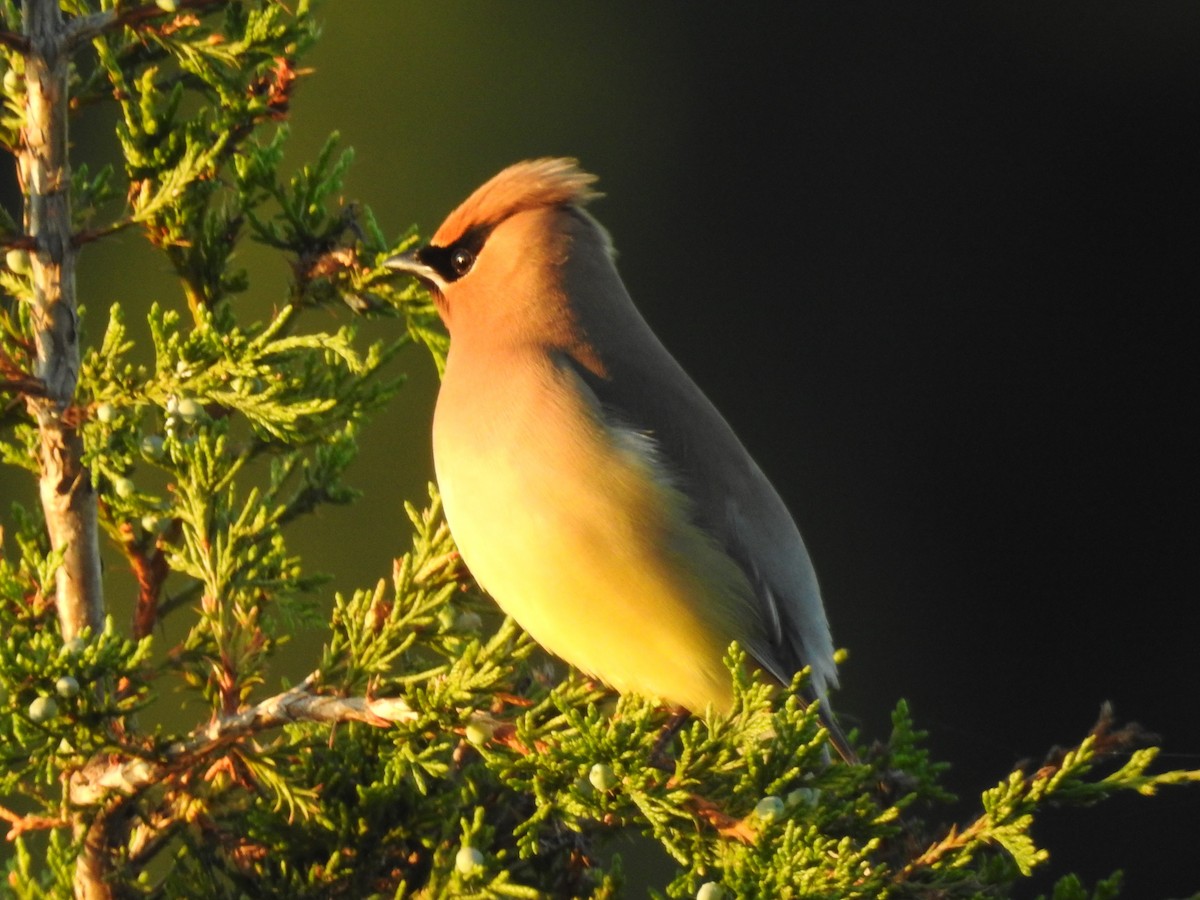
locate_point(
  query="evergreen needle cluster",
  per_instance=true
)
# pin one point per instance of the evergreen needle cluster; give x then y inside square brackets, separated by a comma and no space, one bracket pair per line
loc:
[432,750]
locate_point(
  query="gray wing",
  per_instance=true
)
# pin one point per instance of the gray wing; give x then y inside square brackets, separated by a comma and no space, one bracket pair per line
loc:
[643,385]
[634,376]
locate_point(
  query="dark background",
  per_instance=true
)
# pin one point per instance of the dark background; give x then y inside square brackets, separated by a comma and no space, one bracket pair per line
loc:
[936,264]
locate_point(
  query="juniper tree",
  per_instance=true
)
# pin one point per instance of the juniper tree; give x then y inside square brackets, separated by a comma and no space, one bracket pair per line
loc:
[431,749]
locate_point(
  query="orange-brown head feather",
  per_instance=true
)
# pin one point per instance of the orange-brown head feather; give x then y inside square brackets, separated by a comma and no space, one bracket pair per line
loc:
[526,185]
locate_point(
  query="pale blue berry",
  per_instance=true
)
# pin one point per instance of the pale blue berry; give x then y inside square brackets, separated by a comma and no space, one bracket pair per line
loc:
[152,446]
[43,709]
[468,860]
[769,809]
[189,410]
[478,733]
[602,777]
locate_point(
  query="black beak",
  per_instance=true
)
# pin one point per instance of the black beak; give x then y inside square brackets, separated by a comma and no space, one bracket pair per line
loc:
[410,264]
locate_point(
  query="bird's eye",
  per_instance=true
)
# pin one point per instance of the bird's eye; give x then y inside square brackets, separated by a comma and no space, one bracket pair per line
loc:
[461,260]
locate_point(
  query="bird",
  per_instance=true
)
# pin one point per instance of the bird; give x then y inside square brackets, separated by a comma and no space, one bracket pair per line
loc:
[591,487]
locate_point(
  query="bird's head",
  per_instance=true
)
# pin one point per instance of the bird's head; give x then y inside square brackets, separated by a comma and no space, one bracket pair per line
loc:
[498,261]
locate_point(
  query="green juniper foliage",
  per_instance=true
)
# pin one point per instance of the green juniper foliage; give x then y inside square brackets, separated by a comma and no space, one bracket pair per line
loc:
[432,751]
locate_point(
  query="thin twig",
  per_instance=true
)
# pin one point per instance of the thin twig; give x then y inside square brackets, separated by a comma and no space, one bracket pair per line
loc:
[104,777]
[150,568]
[14,379]
[21,824]
[14,41]
[1109,741]
[88,235]
[80,31]
[25,387]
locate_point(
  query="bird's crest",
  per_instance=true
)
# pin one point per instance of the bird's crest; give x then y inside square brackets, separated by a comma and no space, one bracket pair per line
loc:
[525,185]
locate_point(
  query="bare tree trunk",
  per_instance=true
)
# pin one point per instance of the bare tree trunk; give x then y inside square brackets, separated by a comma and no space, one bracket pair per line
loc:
[68,496]
[67,493]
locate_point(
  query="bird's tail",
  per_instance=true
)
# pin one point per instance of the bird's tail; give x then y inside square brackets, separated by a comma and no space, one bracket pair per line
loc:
[837,737]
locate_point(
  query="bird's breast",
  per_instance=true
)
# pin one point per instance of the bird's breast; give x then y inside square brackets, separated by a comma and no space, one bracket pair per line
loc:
[577,532]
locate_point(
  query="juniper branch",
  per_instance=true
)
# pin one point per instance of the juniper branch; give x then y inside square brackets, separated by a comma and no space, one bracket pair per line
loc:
[102,778]
[79,31]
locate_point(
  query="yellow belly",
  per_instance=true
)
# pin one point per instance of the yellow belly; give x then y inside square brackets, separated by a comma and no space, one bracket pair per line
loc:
[571,527]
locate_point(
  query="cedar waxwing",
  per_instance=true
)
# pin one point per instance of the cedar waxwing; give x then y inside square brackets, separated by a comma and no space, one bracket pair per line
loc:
[592,488]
